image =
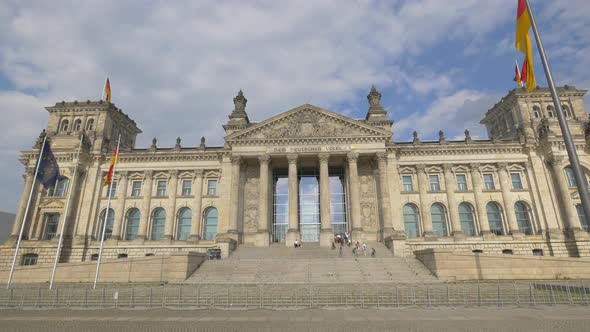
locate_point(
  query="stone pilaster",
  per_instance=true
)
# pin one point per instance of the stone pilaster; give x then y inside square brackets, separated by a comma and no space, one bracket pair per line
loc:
[388,227]
[120,208]
[452,200]
[355,201]
[171,213]
[480,204]
[326,235]
[557,164]
[293,232]
[262,235]
[18,221]
[145,205]
[506,186]
[197,216]
[232,229]
[424,207]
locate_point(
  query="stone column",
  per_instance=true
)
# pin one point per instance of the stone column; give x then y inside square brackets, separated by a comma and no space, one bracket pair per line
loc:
[120,209]
[236,162]
[22,205]
[506,186]
[171,210]
[424,208]
[573,221]
[293,232]
[326,234]
[262,235]
[480,204]
[388,227]
[451,199]
[145,205]
[355,200]
[197,216]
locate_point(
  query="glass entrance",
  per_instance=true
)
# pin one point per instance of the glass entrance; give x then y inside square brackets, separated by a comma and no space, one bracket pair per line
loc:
[309,205]
[280,199]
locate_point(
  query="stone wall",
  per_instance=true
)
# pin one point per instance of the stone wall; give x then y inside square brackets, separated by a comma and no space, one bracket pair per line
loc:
[449,265]
[175,267]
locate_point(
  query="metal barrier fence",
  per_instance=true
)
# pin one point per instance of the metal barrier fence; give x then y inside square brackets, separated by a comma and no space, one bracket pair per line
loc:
[297,296]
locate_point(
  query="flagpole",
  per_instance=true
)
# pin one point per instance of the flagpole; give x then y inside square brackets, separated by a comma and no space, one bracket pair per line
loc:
[106,215]
[22,226]
[569,144]
[518,74]
[63,227]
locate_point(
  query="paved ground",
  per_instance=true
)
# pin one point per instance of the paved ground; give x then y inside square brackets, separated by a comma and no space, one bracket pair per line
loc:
[561,318]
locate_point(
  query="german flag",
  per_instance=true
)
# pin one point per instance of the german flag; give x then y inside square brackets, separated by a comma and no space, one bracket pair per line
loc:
[523,44]
[107,90]
[114,160]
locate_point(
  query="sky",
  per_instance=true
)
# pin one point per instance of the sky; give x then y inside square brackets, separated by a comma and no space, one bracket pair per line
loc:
[175,66]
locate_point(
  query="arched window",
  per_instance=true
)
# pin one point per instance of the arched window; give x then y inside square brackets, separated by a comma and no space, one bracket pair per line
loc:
[582,217]
[411,224]
[90,124]
[536,112]
[566,111]
[495,218]
[132,224]
[77,125]
[183,224]
[466,217]
[65,125]
[52,221]
[59,189]
[210,231]
[108,233]
[158,224]
[29,259]
[439,220]
[550,111]
[569,176]
[523,218]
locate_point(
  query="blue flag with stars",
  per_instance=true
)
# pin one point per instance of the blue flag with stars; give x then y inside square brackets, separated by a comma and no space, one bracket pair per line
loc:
[48,173]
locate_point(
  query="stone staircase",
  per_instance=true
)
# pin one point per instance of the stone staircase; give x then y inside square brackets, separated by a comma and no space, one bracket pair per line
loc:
[311,264]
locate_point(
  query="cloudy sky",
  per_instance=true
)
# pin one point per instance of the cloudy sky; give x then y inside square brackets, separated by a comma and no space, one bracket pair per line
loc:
[175,66]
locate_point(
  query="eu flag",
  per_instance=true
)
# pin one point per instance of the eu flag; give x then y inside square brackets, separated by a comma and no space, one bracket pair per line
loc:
[48,173]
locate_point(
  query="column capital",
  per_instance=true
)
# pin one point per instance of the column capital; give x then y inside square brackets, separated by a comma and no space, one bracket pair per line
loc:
[556,161]
[264,158]
[122,174]
[292,158]
[173,173]
[148,174]
[381,156]
[503,166]
[236,160]
[324,157]
[352,157]
[475,167]
[447,168]
[29,172]
[199,173]
[421,168]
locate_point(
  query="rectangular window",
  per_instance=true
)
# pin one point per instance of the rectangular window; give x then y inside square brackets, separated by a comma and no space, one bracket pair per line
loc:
[113,188]
[136,188]
[186,187]
[212,187]
[407,181]
[461,182]
[161,189]
[516,183]
[434,183]
[29,259]
[488,180]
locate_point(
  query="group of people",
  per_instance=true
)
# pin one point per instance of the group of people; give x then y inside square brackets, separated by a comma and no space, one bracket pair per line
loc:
[356,249]
[343,239]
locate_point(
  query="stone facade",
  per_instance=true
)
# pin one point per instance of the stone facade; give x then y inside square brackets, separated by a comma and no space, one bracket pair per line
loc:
[511,192]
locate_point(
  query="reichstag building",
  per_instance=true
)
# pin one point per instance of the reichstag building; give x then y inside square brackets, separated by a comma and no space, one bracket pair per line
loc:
[309,174]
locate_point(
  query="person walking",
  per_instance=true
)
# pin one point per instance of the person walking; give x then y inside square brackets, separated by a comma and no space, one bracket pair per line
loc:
[364,249]
[340,250]
[373,253]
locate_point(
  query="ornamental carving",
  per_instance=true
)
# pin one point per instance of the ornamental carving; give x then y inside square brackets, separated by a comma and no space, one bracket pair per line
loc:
[324,157]
[236,160]
[199,173]
[421,168]
[251,198]
[368,196]
[292,158]
[264,158]
[352,157]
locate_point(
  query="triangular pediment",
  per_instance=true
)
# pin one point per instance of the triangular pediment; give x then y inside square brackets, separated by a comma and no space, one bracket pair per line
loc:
[52,203]
[307,122]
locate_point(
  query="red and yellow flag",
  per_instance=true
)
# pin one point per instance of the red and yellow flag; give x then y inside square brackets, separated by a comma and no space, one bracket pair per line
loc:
[107,90]
[517,77]
[114,160]
[523,44]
